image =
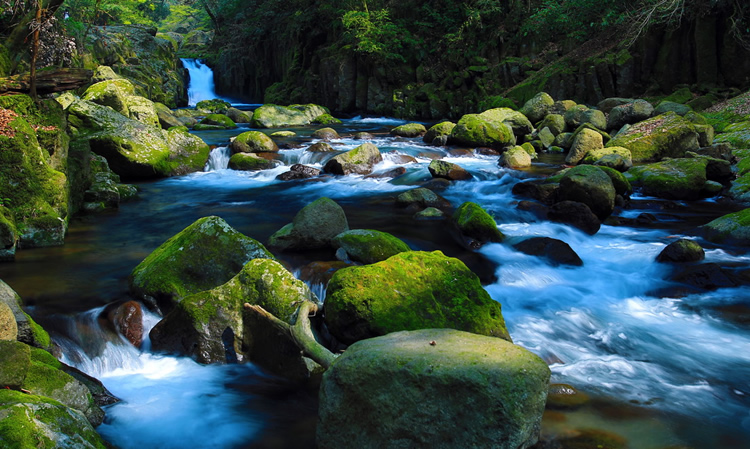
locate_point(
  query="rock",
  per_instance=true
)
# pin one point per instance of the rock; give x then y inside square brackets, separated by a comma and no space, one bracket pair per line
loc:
[143,110]
[421,198]
[8,235]
[299,171]
[321,147]
[608,104]
[589,185]
[678,179]
[202,256]
[411,290]
[555,123]
[135,150]
[210,327]
[629,113]
[448,170]
[326,134]
[516,158]
[592,438]
[111,93]
[594,156]
[411,389]
[369,246]
[438,134]
[476,224]
[555,251]
[564,396]
[706,276]
[326,119]
[213,106]
[538,107]
[313,227]
[360,160]
[8,325]
[732,228]
[165,116]
[619,181]
[29,331]
[430,213]
[20,426]
[682,250]
[363,136]
[585,141]
[666,135]
[216,121]
[409,130]
[253,142]
[283,134]
[540,190]
[249,162]
[238,116]
[562,106]
[580,114]
[518,122]
[575,214]
[275,116]
[128,320]
[478,131]
[104,73]
[671,106]
[15,362]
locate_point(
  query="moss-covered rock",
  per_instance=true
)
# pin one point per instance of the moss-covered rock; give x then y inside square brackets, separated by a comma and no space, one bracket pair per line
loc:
[680,179]
[253,142]
[629,113]
[143,110]
[275,116]
[369,246]
[585,141]
[314,226]
[516,157]
[112,93]
[682,250]
[202,256]
[8,235]
[359,160]
[29,332]
[736,134]
[411,290]
[619,181]
[219,120]
[667,135]
[580,114]
[448,170]
[409,130]
[283,134]
[591,186]
[209,325]
[326,134]
[438,134]
[538,107]
[732,228]
[476,224]
[518,122]
[15,362]
[8,325]
[593,156]
[474,130]
[326,119]
[166,118]
[414,387]
[249,162]
[554,122]
[671,106]
[421,198]
[213,106]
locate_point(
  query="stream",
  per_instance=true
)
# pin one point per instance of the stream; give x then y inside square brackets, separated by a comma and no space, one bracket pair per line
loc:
[662,371]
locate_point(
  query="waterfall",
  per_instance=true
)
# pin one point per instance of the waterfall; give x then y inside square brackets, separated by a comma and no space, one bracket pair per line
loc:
[218,159]
[201,86]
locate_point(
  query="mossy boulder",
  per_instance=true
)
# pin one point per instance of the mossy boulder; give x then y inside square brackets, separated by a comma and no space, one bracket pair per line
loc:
[29,331]
[666,135]
[438,134]
[732,228]
[326,119]
[411,290]
[220,120]
[585,141]
[516,157]
[368,245]
[202,256]
[8,325]
[166,118]
[238,116]
[253,142]
[421,198]
[671,106]
[359,160]
[213,106]
[629,113]
[314,226]
[475,130]
[249,162]
[591,186]
[594,156]
[476,224]
[679,179]
[682,250]
[448,170]
[555,251]
[413,388]
[133,149]
[538,107]
[143,110]
[104,73]
[28,421]
[208,325]
[518,122]
[580,114]
[8,235]
[275,116]
[736,134]
[112,93]
[326,134]
[619,181]
[409,130]
[15,362]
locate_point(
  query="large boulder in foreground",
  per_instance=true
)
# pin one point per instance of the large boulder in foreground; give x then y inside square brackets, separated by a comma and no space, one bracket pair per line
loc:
[359,160]
[437,388]
[411,290]
[314,227]
[275,116]
[666,135]
[202,256]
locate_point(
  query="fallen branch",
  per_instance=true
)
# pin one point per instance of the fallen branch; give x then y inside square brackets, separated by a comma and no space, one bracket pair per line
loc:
[300,332]
[47,81]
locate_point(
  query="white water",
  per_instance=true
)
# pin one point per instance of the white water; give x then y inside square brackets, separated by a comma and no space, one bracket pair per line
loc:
[218,159]
[201,85]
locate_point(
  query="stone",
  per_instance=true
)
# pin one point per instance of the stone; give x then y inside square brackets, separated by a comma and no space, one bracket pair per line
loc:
[476,224]
[629,113]
[299,171]
[537,107]
[321,147]
[218,120]
[586,140]
[326,119]
[438,134]
[128,320]
[733,228]
[608,104]
[165,116]
[283,134]
[518,122]
[8,325]
[275,116]
[411,290]
[143,110]
[448,170]
[409,130]
[202,256]
[437,388]
[591,186]
[253,142]
[619,181]
[594,156]
[682,250]
[369,246]
[421,198]
[580,114]
[564,396]
[516,157]
[666,135]
[249,162]
[678,179]
[705,276]
[238,116]
[575,214]
[15,362]
[326,134]
[111,93]
[554,122]
[360,161]
[546,137]
[29,331]
[671,106]
[555,251]
[314,227]
[477,131]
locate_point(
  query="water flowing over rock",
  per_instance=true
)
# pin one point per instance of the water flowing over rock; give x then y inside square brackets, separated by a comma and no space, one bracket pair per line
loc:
[360,161]
[437,388]
[411,290]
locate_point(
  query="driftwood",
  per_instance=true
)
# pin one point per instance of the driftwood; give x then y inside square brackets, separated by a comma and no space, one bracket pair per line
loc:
[300,332]
[47,81]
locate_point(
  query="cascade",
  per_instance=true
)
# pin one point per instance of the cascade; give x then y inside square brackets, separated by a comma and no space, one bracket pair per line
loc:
[201,85]
[218,159]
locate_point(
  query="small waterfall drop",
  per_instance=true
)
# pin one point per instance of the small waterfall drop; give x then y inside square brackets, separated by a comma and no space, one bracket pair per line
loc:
[218,159]
[201,85]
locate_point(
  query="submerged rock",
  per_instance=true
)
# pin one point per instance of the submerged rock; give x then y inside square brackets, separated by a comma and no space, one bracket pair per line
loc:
[411,290]
[555,251]
[314,227]
[437,388]
[421,198]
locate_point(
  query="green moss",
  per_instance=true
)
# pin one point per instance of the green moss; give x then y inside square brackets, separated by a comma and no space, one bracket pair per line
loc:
[40,336]
[218,120]
[730,228]
[673,178]
[369,246]
[476,223]
[253,142]
[326,119]
[42,356]
[667,135]
[473,130]
[249,162]
[680,96]
[215,106]
[409,130]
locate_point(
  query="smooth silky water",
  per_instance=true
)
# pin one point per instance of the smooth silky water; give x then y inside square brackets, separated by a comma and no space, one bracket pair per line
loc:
[661,371]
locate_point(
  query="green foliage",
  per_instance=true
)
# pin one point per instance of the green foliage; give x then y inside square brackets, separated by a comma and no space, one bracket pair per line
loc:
[575,19]
[375,34]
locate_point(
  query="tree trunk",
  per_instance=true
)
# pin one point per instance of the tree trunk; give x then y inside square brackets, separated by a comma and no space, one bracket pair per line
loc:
[18,38]
[35,50]
[47,81]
